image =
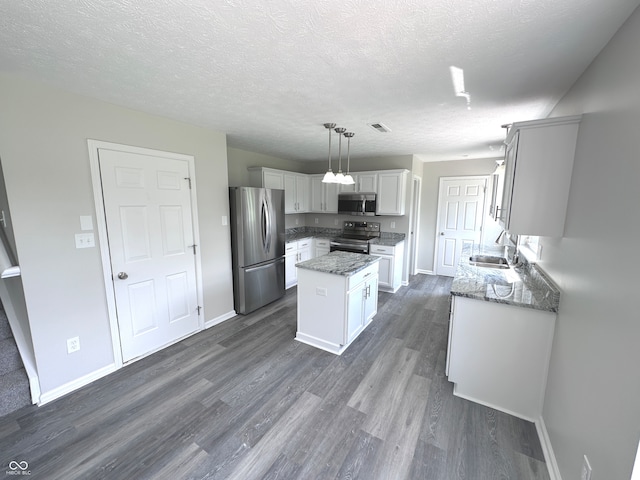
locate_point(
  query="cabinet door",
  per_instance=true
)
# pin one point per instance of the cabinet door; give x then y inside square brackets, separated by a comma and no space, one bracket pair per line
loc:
[391,193]
[385,270]
[317,194]
[304,254]
[290,199]
[349,188]
[355,311]
[331,197]
[290,272]
[272,179]
[504,208]
[302,193]
[367,182]
[370,300]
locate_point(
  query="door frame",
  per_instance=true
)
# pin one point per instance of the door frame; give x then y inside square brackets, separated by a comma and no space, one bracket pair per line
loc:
[436,243]
[101,227]
[414,224]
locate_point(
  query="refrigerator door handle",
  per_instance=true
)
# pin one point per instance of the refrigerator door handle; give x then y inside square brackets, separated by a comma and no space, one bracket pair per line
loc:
[266,209]
[262,267]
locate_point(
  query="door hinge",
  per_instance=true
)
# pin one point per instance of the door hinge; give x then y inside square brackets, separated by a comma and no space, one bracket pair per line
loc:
[189,179]
[194,248]
[198,308]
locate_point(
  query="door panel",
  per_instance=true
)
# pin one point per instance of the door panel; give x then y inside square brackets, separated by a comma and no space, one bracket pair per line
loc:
[460,213]
[148,214]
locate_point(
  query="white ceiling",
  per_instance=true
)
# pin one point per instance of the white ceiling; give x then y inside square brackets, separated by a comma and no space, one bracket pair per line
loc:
[269,73]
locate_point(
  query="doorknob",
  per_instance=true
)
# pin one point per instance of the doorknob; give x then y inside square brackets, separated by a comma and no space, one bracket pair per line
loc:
[442,234]
[123,275]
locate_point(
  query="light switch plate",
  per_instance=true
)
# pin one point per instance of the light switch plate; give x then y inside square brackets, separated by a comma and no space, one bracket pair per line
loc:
[85,240]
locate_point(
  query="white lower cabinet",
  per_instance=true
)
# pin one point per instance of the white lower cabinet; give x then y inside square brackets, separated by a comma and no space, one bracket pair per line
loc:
[321,246]
[391,260]
[295,252]
[334,309]
[498,355]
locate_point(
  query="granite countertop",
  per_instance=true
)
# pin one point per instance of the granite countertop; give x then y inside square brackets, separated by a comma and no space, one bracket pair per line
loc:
[522,285]
[389,239]
[300,233]
[339,263]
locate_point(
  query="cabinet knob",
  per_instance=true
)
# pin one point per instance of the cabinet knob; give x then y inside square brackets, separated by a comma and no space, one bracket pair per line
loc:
[442,234]
[123,275]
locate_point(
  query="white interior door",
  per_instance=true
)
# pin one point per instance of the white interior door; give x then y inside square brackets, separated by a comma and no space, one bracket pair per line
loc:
[149,226]
[460,212]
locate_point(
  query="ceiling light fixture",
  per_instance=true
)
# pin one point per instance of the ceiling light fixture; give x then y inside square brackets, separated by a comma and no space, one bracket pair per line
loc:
[348,179]
[340,175]
[457,77]
[329,177]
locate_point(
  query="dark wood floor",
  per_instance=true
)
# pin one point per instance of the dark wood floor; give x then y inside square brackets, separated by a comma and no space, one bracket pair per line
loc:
[243,400]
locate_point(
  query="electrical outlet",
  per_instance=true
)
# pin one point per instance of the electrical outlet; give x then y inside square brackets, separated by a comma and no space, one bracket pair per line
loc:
[393,224]
[335,222]
[73,344]
[316,219]
[297,221]
[586,469]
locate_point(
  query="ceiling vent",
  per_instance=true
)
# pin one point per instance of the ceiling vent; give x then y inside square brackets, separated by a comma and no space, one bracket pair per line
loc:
[379,127]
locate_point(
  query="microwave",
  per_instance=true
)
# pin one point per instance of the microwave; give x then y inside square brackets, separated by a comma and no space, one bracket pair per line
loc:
[357,203]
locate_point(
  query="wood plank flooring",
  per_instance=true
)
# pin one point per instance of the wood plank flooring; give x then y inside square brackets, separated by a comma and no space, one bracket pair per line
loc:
[244,400]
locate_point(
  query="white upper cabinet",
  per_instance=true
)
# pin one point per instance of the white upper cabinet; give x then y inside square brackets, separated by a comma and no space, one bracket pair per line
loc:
[538,168]
[295,186]
[367,182]
[296,193]
[306,193]
[392,192]
[324,196]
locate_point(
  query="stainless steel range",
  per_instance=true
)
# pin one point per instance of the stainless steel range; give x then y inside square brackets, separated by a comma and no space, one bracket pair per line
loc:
[356,237]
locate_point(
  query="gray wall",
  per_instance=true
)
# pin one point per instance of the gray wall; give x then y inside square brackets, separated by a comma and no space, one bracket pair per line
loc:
[592,403]
[240,160]
[431,174]
[43,146]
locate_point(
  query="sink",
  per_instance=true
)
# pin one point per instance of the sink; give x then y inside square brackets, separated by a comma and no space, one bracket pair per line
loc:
[488,261]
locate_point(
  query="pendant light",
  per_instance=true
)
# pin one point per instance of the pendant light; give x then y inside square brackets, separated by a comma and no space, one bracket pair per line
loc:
[340,175]
[348,179]
[329,177]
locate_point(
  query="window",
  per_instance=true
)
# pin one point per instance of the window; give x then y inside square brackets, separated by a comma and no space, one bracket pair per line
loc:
[529,246]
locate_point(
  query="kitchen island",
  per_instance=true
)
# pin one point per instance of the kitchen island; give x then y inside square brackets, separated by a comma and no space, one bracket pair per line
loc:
[337,299]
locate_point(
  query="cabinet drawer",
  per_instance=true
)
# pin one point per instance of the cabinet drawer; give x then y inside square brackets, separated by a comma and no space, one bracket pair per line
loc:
[304,243]
[381,249]
[321,242]
[290,247]
[362,275]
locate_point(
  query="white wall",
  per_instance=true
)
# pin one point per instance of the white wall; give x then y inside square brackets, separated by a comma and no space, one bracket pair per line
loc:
[592,403]
[431,174]
[43,147]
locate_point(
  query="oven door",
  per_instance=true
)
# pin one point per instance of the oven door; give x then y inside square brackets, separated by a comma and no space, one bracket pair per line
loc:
[349,247]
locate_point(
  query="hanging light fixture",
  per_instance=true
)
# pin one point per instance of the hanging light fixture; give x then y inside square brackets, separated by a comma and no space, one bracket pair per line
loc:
[340,175]
[329,177]
[348,179]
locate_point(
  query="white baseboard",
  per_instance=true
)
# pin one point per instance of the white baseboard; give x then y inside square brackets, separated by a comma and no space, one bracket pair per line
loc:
[549,456]
[425,272]
[219,319]
[62,390]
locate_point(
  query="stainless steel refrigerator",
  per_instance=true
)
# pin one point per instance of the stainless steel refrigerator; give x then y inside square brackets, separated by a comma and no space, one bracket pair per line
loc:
[257,246]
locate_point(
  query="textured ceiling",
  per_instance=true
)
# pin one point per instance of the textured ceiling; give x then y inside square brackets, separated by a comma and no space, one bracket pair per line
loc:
[269,73]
